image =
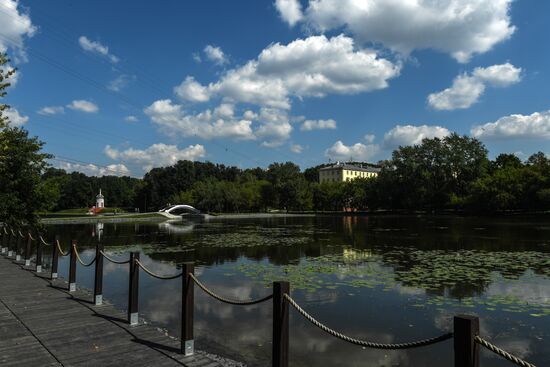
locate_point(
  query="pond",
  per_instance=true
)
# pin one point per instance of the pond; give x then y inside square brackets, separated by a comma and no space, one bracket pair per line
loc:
[387,279]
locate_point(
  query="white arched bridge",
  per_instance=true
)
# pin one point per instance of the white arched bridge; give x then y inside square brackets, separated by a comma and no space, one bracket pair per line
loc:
[179,210]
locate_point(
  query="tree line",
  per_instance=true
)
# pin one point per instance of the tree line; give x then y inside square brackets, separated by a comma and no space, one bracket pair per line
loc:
[451,173]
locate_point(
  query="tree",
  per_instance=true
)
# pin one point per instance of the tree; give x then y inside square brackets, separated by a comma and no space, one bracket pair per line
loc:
[290,187]
[434,174]
[21,165]
[5,75]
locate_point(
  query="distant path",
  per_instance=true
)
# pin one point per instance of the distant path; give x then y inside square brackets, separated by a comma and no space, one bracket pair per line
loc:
[258,215]
[41,324]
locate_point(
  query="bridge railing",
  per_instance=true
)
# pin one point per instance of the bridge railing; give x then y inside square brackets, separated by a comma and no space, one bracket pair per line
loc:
[465,334]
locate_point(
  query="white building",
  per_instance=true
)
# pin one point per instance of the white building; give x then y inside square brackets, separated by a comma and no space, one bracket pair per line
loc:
[100,201]
[341,172]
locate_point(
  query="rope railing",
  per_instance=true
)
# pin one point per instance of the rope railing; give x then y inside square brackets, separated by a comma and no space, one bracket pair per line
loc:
[60,250]
[21,234]
[363,343]
[80,260]
[31,237]
[43,241]
[163,277]
[501,352]
[227,300]
[113,260]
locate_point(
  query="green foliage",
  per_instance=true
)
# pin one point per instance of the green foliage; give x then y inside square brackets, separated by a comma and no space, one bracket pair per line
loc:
[5,75]
[22,193]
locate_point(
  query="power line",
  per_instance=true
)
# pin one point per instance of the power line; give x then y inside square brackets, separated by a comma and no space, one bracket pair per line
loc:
[80,163]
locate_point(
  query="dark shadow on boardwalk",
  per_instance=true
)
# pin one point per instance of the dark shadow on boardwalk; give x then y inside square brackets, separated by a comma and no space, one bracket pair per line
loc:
[42,324]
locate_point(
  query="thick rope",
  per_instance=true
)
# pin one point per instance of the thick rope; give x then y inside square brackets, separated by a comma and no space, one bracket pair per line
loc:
[80,260]
[504,354]
[21,234]
[44,242]
[229,301]
[156,275]
[60,250]
[12,232]
[367,344]
[31,237]
[113,260]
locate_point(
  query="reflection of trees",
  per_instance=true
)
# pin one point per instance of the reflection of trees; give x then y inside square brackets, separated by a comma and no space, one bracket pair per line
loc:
[399,241]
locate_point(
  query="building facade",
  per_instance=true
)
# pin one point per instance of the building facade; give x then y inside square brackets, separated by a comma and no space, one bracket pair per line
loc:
[341,172]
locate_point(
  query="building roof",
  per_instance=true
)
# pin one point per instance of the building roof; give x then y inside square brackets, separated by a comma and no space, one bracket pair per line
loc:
[351,167]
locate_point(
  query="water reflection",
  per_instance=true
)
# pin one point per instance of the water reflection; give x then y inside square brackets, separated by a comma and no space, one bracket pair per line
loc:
[387,279]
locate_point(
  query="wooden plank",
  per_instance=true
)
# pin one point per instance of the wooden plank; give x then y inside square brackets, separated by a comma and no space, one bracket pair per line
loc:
[41,323]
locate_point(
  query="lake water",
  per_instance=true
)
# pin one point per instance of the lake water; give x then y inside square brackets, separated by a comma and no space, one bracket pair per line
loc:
[379,278]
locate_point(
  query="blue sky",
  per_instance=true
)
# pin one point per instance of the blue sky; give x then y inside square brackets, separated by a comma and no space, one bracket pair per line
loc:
[120,87]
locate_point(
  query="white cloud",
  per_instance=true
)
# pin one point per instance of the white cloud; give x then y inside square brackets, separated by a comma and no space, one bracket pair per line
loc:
[96,47]
[311,67]
[274,127]
[290,11]
[190,90]
[15,119]
[501,75]
[467,88]
[412,135]
[219,123]
[460,28]
[51,110]
[94,170]
[84,106]
[358,151]
[309,125]
[157,155]
[534,126]
[120,82]
[369,138]
[131,118]
[196,57]
[464,92]
[15,27]
[296,148]
[215,54]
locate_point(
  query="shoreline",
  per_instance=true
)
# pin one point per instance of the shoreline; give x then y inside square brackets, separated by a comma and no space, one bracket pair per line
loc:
[155,217]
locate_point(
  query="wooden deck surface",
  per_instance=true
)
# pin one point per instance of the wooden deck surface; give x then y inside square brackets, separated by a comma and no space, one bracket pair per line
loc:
[42,324]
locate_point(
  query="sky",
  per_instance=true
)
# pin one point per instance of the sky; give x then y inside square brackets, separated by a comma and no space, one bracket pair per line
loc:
[122,87]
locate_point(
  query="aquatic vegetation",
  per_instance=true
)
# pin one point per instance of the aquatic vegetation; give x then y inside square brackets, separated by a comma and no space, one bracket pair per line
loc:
[449,279]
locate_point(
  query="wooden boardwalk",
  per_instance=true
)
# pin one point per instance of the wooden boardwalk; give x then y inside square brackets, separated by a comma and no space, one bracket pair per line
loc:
[42,324]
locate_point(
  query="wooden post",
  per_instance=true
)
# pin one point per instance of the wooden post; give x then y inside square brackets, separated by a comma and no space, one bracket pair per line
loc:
[10,246]
[466,349]
[28,251]
[133,289]
[55,258]
[17,247]
[4,238]
[72,267]
[187,307]
[280,324]
[98,282]
[38,255]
